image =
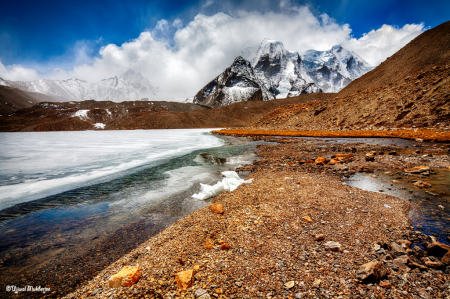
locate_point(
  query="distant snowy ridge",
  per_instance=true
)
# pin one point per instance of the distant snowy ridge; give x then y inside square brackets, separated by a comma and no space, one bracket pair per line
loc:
[274,72]
[131,86]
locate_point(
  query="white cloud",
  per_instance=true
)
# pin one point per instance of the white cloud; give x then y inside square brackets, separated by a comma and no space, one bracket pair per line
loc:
[183,63]
[177,23]
[208,3]
[376,45]
[17,72]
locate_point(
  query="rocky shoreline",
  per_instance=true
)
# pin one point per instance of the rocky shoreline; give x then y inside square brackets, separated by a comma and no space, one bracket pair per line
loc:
[297,231]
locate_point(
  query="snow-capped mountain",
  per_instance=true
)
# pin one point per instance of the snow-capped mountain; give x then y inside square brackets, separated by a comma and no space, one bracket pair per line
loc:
[280,73]
[281,70]
[236,84]
[131,86]
[334,69]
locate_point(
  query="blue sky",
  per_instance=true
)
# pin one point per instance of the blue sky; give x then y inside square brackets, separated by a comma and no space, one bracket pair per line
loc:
[43,30]
[61,39]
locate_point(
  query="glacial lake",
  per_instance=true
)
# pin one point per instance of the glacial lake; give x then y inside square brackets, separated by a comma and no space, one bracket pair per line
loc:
[66,196]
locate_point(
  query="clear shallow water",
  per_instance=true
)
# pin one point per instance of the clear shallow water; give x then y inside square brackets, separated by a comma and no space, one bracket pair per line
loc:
[430,207]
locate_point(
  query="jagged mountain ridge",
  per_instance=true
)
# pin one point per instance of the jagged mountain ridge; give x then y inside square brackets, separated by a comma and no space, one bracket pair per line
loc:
[131,86]
[334,69]
[236,84]
[280,73]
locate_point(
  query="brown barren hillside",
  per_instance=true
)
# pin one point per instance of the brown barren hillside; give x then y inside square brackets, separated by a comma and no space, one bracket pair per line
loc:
[143,115]
[12,99]
[431,48]
[422,101]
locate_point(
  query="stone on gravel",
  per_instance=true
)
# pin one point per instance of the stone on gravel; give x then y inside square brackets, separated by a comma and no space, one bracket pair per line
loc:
[320,237]
[369,157]
[217,208]
[289,285]
[385,284]
[397,249]
[224,246]
[421,184]
[307,219]
[185,279]
[433,264]
[332,246]
[204,296]
[417,169]
[446,258]
[405,243]
[200,292]
[372,272]
[320,161]
[316,283]
[402,259]
[127,277]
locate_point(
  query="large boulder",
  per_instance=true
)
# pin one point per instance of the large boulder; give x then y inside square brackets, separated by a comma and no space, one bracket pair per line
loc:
[372,272]
[127,277]
[438,249]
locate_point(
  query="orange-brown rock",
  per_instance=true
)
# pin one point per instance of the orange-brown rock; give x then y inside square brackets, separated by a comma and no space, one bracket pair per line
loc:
[225,246]
[385,285]
[320,161]
[185,279]
[334,161]
[307,219]
[405,243]
[320,237]
[417,169]
[127,277]
[446,258]
[421,184]
[216,208]
[372,272]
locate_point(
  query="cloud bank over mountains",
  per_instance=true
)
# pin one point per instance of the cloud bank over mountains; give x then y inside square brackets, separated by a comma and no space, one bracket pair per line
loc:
[181,58]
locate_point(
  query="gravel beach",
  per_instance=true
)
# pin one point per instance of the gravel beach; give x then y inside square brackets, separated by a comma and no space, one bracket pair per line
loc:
[297,231]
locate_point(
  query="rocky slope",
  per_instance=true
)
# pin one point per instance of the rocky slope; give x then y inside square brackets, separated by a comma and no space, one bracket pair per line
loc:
[89,115]
[426,51]
[131,86]
[420,101]
[271,71]
[12,99]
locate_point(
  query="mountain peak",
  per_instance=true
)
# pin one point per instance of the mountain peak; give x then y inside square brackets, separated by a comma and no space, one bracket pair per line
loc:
[337,48]
[271,46]
[131,75]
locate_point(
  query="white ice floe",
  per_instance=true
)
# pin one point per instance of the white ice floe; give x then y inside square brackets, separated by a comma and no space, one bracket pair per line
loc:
[229,183]
[99,125]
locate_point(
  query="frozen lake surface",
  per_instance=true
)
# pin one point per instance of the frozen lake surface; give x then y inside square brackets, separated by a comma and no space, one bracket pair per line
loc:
[40,164]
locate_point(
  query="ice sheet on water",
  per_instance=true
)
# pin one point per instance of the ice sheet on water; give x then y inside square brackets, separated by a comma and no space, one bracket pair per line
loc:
[48,163]
[229,183]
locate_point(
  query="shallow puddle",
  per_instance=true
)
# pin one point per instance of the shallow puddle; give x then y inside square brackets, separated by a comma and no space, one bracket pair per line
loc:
[430,210]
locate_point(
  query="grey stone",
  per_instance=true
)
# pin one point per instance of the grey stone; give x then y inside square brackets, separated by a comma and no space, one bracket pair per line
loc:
[200,292]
